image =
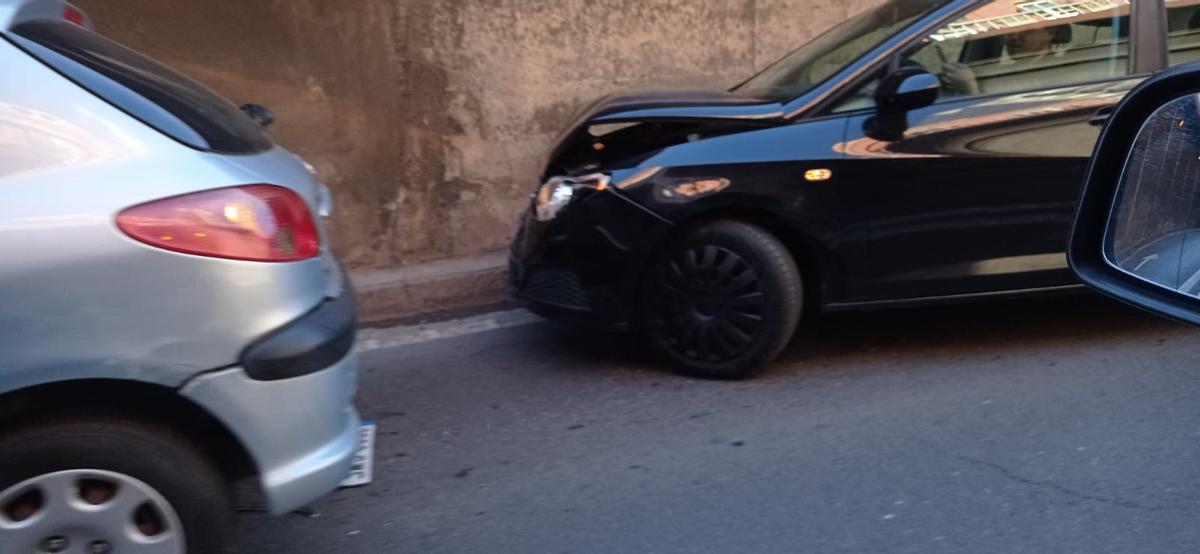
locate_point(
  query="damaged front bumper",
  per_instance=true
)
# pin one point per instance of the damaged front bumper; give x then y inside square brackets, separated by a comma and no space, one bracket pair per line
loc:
[585,264]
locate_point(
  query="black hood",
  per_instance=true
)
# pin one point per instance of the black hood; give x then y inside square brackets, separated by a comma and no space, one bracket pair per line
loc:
[697,110]
[682,103]
[694,104]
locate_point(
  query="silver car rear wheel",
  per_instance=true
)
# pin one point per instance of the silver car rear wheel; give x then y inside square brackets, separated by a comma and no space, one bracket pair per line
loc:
[89,511]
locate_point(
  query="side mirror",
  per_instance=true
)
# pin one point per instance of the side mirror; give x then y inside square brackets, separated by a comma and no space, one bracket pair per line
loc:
[907,88]
[1137,230]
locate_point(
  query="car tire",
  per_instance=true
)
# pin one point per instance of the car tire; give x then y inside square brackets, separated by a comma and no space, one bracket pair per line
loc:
[722,300]
[111,464]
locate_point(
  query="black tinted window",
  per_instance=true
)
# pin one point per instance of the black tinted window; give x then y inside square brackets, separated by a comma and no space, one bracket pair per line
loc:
[143,88]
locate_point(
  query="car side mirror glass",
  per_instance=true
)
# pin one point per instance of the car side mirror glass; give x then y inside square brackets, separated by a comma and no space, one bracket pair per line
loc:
[1137,231]
[1154,228]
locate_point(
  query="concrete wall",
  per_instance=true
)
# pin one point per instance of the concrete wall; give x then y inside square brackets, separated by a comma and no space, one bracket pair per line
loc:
[428,118]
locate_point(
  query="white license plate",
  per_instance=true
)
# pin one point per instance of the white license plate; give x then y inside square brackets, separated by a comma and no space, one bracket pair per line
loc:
[361,464]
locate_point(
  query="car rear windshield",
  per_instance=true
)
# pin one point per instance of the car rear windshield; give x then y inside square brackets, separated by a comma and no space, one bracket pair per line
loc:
[145,89]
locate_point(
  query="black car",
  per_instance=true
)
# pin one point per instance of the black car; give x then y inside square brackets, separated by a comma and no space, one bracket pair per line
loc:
[923,151]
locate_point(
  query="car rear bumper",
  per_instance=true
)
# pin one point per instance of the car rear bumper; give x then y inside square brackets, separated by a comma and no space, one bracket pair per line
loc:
[301,432]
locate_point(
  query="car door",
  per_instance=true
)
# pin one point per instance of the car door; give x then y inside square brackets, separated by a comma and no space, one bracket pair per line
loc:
[975,193]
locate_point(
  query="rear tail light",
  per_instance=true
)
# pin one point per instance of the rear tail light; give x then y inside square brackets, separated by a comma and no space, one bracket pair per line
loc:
[75,15]
[263,223]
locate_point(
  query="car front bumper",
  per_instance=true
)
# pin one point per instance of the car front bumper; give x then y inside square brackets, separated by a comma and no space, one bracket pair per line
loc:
[584,266]
[301,432]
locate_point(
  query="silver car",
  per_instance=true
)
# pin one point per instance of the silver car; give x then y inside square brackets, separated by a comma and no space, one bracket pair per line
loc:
[175,337]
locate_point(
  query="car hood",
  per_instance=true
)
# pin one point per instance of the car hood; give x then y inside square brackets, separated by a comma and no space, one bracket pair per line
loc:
[674,104]
[688,103]
[676,108]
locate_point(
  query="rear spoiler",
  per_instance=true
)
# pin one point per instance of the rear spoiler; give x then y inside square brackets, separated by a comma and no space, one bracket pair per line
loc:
[16,12]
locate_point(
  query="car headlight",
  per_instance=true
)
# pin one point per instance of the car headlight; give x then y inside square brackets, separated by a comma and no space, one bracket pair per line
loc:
[559,192]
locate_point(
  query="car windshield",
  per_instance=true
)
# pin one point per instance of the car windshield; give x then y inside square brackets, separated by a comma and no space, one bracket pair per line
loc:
[813,63]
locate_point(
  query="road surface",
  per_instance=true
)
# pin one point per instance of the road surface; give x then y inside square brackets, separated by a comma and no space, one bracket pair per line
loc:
[1065,425]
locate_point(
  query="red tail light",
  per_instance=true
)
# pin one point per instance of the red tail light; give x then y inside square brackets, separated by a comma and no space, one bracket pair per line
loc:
[263,223]
[75,15]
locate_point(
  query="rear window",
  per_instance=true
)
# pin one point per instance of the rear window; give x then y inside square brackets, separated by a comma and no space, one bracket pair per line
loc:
[145,89]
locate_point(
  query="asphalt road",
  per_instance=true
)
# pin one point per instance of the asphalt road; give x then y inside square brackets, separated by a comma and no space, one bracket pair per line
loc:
[1070,425]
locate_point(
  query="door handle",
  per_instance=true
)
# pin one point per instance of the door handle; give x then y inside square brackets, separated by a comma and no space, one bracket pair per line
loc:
[1101,116]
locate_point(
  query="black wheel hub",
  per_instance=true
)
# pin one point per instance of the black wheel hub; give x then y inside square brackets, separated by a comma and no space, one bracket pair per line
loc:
[710,303]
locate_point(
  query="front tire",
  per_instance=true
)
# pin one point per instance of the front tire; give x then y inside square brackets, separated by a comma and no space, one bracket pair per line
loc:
[722,300]
[87,485]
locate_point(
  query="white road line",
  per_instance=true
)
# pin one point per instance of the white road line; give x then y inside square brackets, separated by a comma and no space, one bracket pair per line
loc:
[392,337]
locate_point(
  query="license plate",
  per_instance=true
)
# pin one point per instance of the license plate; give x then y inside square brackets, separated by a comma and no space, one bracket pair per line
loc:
[361,464]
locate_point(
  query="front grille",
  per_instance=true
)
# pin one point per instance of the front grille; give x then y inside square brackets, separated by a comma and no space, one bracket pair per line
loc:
[555,286]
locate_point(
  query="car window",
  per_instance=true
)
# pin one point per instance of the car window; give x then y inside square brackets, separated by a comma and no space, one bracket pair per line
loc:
[151,92]
[1183,31]
[1009,46]
[813,63]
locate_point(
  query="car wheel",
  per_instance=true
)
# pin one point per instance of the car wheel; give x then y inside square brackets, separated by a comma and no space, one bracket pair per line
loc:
[110,485]
[722,300]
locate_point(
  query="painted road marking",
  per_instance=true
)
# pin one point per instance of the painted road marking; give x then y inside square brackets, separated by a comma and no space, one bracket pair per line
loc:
[392,337]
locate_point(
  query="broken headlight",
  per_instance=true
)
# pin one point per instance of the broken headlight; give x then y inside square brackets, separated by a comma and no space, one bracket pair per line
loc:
[559,192]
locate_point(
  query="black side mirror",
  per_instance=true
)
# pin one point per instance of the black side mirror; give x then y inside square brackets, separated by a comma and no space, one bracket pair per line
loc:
[907,88]
[1137,229]
[261,114]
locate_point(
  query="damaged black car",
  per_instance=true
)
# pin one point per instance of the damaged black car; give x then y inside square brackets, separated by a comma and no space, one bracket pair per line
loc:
[923,151]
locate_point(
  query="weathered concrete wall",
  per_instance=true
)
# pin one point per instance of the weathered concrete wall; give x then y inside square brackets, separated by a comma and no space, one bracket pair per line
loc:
[428,118]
